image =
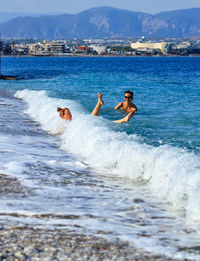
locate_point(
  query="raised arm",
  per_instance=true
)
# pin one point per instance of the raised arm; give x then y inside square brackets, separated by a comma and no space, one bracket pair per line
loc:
[127,117]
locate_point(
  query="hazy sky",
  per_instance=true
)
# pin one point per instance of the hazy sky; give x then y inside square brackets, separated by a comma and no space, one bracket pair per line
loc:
[75,6]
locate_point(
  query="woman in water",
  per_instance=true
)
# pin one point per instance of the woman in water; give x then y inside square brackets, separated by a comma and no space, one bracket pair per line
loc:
[65,113]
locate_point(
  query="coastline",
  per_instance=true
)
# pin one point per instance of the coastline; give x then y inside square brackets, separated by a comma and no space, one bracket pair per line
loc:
[28,243]
[24,242]
[82,55]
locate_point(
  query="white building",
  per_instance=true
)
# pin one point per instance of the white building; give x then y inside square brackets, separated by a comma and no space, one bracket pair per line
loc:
[100,49]
[162,46]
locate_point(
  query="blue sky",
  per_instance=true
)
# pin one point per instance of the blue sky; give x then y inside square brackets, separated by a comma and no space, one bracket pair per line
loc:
[75,6]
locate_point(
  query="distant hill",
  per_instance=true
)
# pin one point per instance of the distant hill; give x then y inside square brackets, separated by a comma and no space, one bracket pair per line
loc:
[6,16]
[105,22]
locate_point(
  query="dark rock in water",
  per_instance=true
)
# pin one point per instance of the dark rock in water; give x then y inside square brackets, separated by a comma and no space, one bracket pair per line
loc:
[7,77]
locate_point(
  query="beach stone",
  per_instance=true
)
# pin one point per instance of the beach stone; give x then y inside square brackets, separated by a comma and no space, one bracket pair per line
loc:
[29,244]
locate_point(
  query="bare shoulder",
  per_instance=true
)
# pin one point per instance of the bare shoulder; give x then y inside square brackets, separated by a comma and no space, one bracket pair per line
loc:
[119,105]
[134,107]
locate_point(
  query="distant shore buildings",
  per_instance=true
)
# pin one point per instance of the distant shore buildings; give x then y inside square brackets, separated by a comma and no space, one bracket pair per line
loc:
[109,47]
[162,47]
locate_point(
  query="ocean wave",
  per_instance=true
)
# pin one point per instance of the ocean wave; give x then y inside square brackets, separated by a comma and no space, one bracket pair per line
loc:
[168,171]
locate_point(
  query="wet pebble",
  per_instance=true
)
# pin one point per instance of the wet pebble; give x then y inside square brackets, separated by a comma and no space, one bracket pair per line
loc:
[24,244]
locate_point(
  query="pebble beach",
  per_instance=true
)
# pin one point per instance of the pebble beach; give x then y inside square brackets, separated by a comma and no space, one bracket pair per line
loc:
[97,190]
[24,243]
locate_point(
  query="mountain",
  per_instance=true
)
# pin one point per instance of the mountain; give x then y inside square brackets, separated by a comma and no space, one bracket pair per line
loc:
[180,23]
[105,22]
[6,16]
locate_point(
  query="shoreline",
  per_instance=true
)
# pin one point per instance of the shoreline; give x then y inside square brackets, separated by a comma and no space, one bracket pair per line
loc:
[111,56]
[28,243]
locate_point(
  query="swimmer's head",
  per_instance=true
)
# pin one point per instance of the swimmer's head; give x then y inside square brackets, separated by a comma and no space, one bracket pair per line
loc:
[65,113]
[128,92]
[128,96]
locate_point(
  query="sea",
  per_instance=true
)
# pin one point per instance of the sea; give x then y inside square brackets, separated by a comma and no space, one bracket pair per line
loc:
[138,182]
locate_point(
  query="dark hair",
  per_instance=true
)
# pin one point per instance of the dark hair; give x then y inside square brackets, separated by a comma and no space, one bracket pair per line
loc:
[62,111]
[131,93]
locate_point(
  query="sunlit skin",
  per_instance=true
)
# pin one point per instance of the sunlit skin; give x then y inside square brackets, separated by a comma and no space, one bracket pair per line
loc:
[100,103]
[126,106]
[65,113]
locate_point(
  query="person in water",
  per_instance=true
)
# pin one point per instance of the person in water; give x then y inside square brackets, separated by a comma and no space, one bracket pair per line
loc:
[65,113]
[126,106]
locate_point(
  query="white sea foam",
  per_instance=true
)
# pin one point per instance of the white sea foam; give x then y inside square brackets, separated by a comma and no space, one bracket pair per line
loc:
[170,172]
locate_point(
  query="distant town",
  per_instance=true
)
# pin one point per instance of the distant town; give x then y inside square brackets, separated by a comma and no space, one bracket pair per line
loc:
[101,47]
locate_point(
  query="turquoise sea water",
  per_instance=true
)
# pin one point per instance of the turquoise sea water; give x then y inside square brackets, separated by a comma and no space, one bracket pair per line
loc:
[153,160]
[166,91]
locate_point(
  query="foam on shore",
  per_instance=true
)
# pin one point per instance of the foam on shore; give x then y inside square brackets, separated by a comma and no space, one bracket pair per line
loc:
[170,172]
